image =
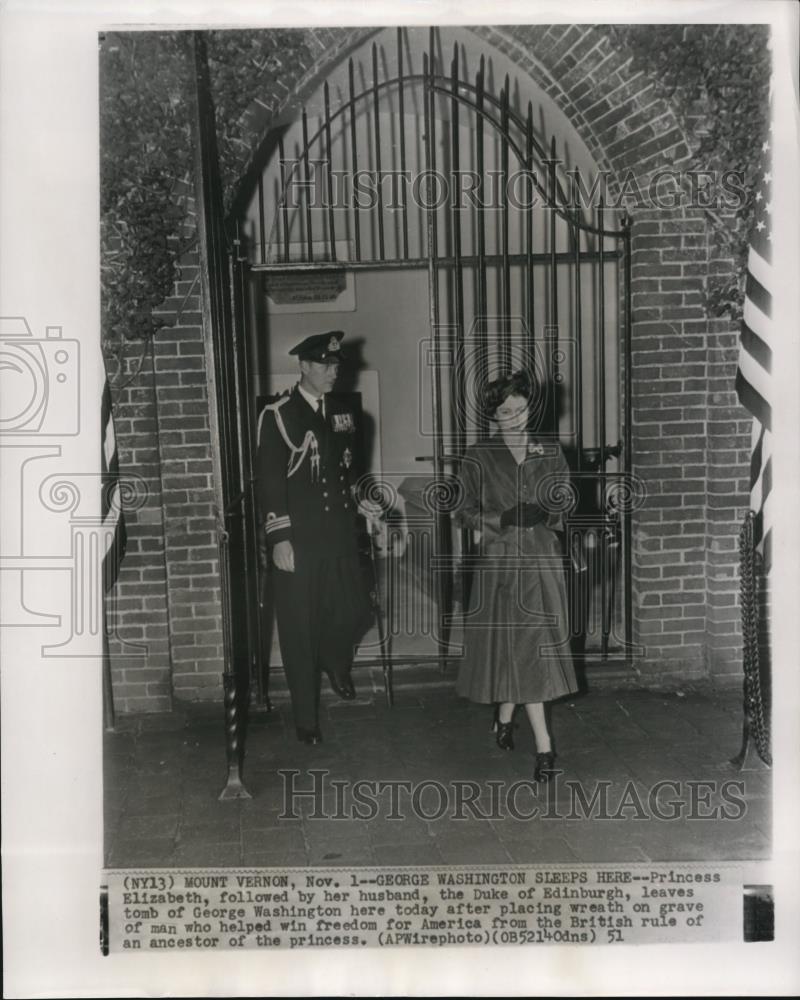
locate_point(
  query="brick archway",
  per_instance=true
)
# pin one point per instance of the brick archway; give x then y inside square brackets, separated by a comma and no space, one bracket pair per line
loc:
[690,437]
[615,110]
[684,586]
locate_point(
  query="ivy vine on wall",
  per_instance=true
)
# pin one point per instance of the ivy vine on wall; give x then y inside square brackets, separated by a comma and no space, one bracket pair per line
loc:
[717,79]
[145,150]
[243,65]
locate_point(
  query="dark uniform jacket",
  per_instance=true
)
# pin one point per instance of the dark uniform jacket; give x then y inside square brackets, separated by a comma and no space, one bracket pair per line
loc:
[306,475]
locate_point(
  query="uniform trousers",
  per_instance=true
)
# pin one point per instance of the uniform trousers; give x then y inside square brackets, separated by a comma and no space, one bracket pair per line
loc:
[321,608]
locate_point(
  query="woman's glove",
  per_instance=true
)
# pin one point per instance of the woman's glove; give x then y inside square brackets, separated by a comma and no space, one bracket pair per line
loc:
[523,515]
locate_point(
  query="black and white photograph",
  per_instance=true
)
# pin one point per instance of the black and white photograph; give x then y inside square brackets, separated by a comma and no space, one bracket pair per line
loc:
[429,386]
[416,506]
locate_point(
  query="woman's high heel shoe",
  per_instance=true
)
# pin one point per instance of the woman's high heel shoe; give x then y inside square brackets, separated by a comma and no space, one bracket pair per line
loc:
[505,735]
[544,766]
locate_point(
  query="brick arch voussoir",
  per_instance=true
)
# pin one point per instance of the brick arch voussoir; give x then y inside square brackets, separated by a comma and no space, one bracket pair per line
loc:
[627,127]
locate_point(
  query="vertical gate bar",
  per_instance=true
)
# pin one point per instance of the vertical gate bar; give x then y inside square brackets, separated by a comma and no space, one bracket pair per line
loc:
[354,157]
[608,567]
[481,331]
[551,362]
[578,387]
[248,351]
[376,118]
[529,229]
[307,187]
[432,129]
[284,206]
[433,304]
[402,108]
[601,366]
[329,170]
[459,409]
[459,386]
[262,240]
[246,422]
[505,352]
[585,580]
[628,445]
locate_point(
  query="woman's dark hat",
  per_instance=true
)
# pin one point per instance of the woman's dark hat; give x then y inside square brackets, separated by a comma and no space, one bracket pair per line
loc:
[320,347]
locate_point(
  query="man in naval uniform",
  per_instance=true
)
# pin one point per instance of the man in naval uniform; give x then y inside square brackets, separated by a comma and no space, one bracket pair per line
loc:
[308,508]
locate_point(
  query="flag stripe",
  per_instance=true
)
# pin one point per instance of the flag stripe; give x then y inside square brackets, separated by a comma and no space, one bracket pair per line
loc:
[758,321]
[756,376]
[758,350]
[114,533]
[753,375]
[760,470]
[753,401]
[755,458]
[766,549]
[759,267]
[758,296]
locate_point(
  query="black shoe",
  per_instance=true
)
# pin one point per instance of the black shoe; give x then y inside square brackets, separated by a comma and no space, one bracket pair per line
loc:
[505,735]
[343,687]
[544,766]
[310,736]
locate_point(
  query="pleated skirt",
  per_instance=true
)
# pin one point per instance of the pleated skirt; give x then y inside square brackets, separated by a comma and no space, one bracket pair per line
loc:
[516,630]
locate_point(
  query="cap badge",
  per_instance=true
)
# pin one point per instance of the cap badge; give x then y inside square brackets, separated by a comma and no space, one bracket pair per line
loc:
[333,344]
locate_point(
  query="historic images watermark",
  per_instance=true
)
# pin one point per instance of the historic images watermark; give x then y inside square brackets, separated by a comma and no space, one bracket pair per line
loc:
[495,190]
[327,798]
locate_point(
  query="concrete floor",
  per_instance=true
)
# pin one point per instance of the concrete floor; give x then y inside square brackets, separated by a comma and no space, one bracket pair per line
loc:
[163,775]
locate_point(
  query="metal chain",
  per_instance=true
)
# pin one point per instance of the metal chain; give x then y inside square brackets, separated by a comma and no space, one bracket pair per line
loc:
[755,714]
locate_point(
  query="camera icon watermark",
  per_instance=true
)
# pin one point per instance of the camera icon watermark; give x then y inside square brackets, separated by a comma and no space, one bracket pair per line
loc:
[39,381]
[67,526]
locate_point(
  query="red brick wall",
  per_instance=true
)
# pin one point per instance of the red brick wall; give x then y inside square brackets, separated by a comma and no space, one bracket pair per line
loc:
[689,434]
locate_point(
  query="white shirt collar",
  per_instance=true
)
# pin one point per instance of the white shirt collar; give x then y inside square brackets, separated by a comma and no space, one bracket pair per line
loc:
[312,400]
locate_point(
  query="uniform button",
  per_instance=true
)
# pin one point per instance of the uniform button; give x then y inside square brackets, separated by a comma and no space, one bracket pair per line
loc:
[347,506]
[327,507]
[324,479]
[342,478]
[324,494]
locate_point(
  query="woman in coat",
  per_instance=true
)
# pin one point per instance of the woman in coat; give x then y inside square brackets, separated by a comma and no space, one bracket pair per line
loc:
[516,629]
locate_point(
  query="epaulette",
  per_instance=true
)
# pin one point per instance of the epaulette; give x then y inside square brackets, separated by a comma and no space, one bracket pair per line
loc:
[274,406]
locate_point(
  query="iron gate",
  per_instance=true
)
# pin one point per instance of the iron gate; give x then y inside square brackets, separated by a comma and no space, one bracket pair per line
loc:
[226,360]
[512,285]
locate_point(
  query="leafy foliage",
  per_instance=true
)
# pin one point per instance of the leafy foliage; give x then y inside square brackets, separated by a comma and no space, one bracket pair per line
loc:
[145,147]
[243,64]
[717,79]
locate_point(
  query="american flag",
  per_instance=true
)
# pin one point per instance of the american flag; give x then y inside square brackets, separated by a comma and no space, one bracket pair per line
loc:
[753,378]
[114,534]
